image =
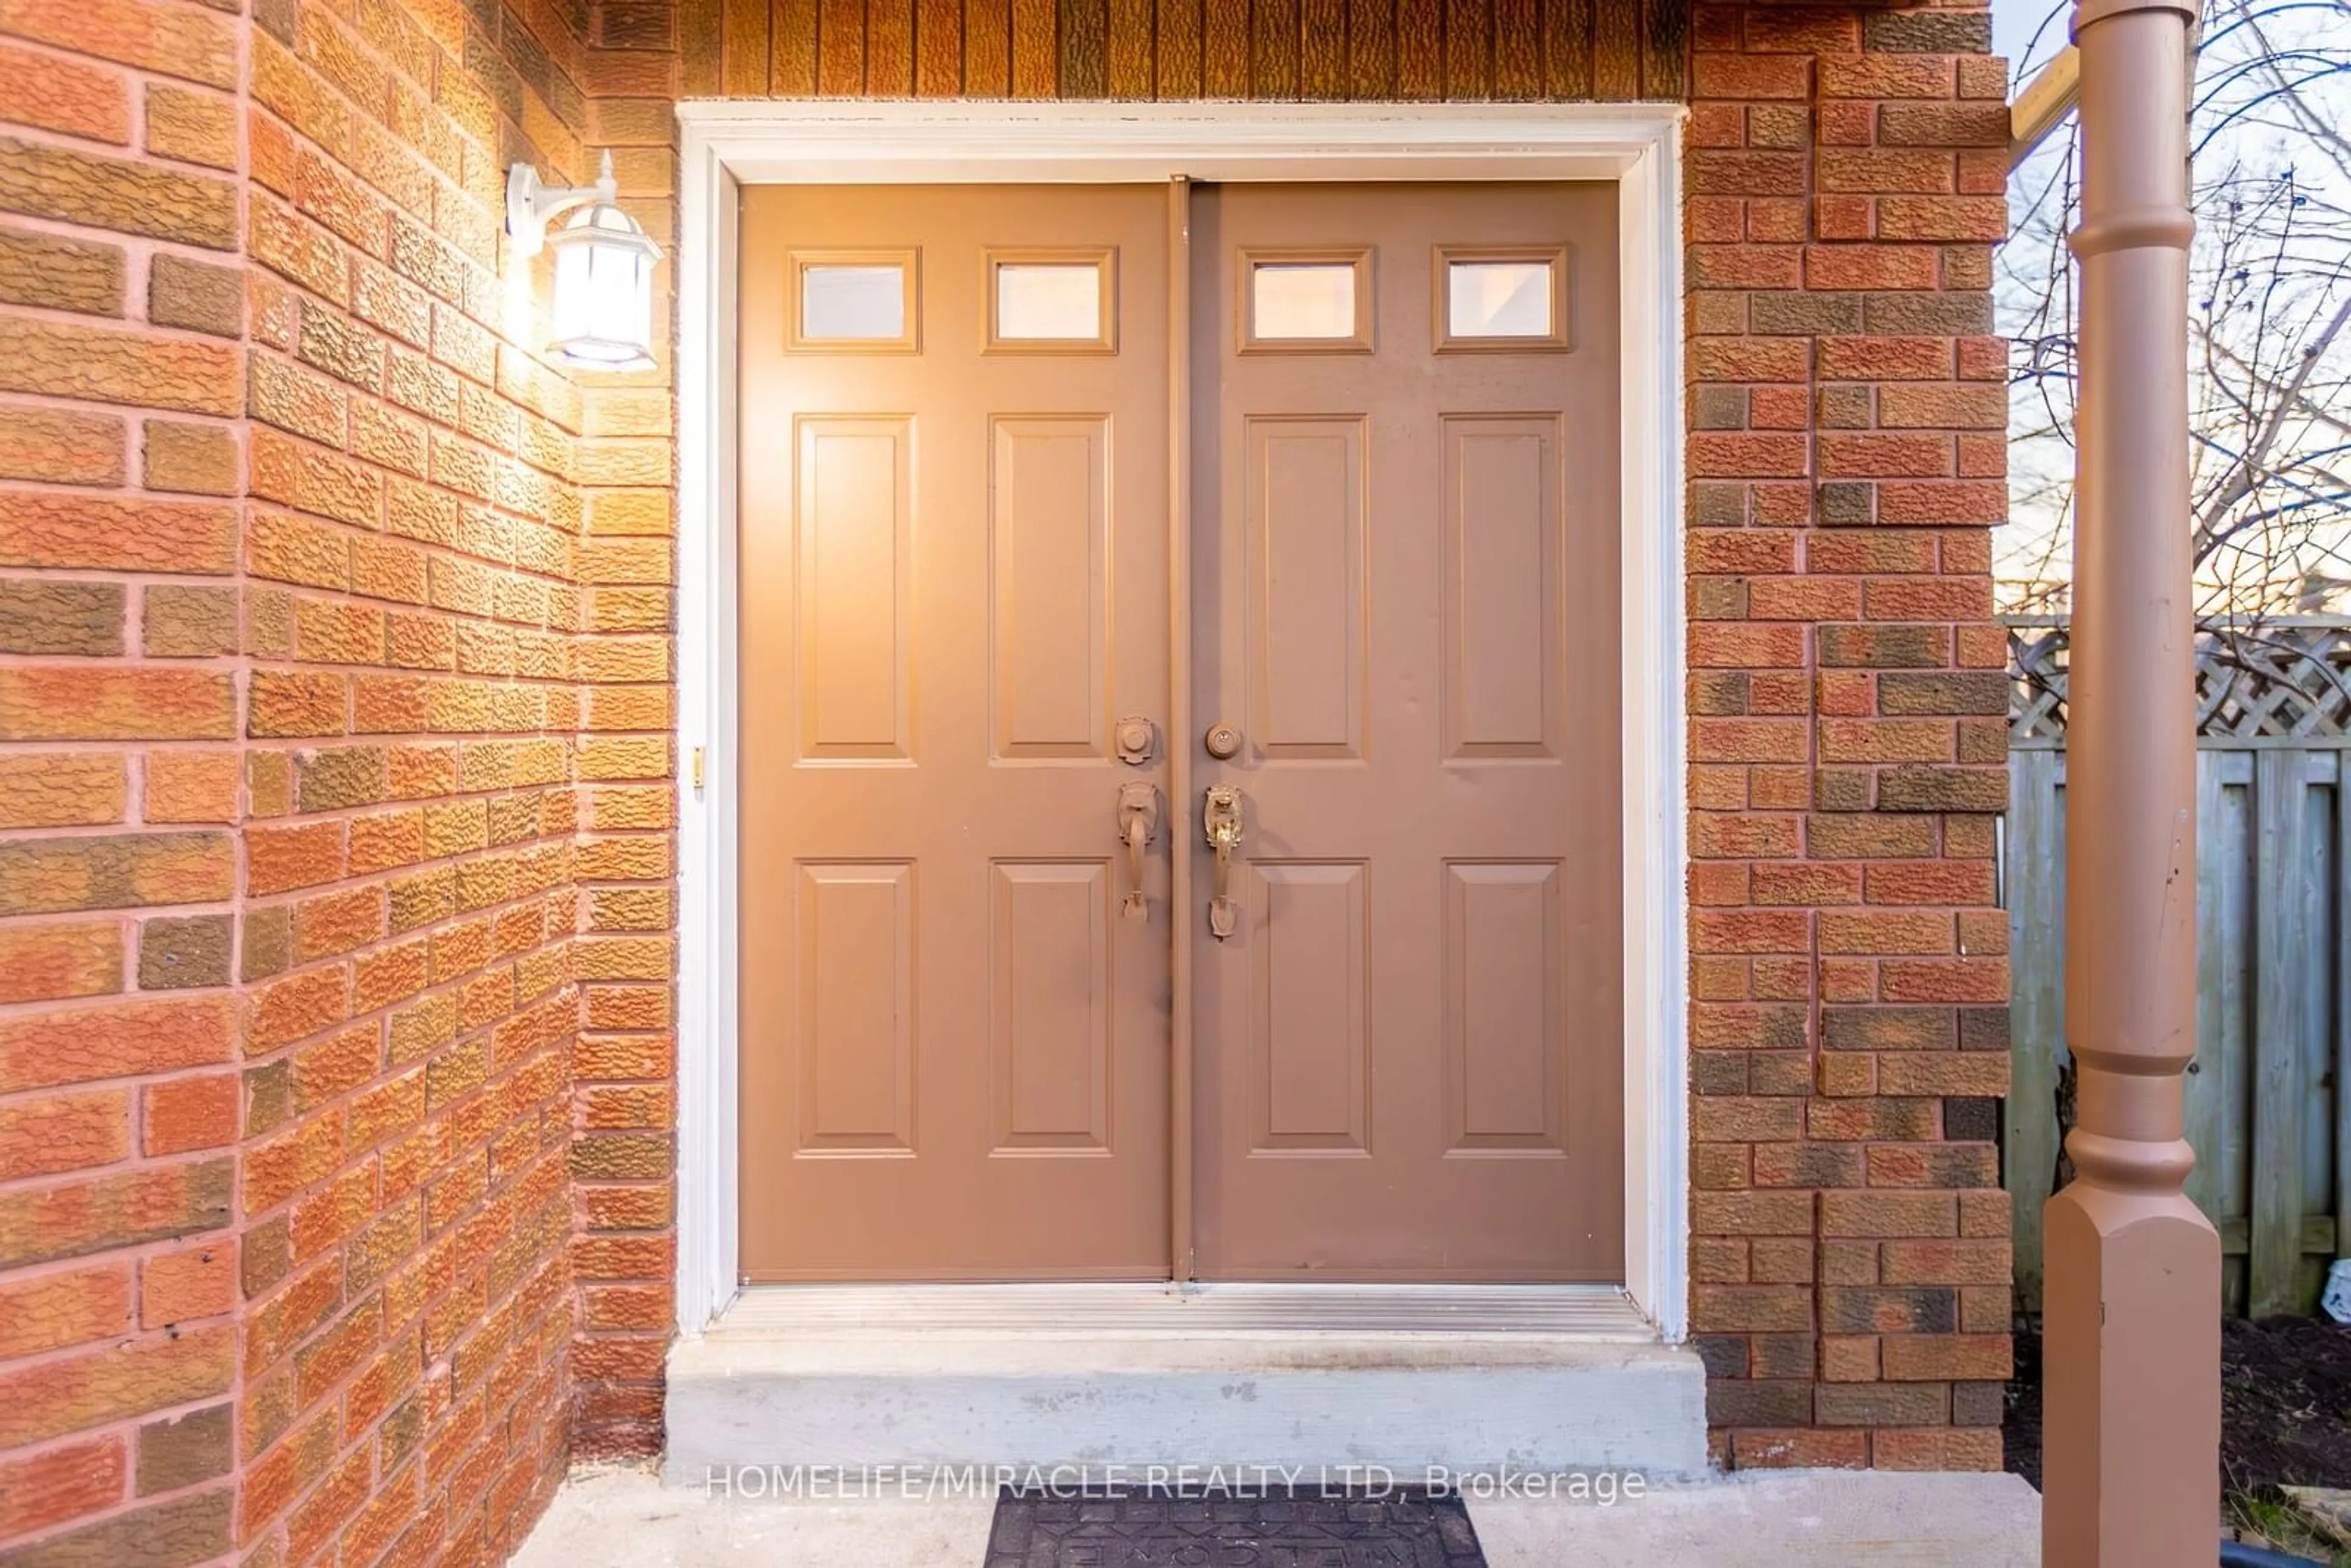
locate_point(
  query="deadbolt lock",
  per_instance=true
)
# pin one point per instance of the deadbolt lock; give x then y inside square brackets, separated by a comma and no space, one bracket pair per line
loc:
[1135,739]
[1223,740]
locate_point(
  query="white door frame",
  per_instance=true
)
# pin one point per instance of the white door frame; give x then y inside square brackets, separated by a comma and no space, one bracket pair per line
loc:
[729,144]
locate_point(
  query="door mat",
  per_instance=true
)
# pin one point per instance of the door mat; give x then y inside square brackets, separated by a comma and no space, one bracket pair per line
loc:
[1276,1528]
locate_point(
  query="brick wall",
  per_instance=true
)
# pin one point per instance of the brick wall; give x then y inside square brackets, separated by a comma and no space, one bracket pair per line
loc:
[290,699]
[1848,734]
[411,800]
[1847,171]
[123,368]
[625,1064]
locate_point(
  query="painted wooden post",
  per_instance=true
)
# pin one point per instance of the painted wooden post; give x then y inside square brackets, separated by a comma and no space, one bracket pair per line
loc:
[2131,1309]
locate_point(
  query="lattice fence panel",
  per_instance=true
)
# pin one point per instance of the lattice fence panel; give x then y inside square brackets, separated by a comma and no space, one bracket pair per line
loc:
[2277,679]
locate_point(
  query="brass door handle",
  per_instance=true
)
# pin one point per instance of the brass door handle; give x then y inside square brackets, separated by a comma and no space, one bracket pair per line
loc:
[1220,820]
[1138,824]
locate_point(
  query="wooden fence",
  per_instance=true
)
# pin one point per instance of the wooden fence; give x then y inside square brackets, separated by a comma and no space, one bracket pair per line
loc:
[2267,1113]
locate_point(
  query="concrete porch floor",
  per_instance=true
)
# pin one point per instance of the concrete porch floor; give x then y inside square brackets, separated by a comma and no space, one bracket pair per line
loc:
[620,1517]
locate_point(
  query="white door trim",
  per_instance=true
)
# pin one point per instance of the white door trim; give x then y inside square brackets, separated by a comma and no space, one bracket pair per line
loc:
[729,144]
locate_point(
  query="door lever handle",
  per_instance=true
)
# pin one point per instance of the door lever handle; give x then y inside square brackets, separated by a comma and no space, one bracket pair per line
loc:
[1138,824]
[1220,820]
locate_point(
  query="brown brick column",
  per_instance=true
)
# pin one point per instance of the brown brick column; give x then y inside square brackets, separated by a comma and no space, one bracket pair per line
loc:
[1847,735]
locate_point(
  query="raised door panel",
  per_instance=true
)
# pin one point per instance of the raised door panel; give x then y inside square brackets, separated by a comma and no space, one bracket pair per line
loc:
[1502,519]
[857,1008]
[1051,1006]
[1504,1008]
[1304,525]
[1049,561]
[854,538]
[1310,1018]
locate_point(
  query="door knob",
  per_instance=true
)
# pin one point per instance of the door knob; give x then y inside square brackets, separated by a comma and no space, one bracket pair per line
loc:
[1220,820]
[1138,824]
[1135,740]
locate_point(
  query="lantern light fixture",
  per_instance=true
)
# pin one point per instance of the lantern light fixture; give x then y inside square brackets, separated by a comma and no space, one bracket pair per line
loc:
[603,316]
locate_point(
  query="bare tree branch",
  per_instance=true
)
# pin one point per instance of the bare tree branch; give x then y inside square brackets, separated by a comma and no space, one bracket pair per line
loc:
[2270,325]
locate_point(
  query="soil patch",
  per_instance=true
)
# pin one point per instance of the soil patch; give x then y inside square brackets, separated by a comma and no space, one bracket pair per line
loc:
[2285,1404]
[2020,1427]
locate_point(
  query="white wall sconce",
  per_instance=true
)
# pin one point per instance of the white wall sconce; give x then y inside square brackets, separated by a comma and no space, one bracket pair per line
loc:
[604,314]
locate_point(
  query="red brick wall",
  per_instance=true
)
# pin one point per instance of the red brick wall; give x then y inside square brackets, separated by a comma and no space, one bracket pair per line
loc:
[291,546]
[123,372]
[411,793]
[1847,171]
[625,1065]
[1848,734]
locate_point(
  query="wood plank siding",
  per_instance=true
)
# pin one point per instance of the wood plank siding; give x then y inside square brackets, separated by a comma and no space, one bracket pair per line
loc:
[1332,50]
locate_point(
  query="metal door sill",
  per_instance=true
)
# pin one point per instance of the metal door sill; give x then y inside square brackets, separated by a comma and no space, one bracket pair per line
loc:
[1591,1313]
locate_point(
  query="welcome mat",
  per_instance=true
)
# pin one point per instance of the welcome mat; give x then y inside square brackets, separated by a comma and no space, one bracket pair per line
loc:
[1277,1528]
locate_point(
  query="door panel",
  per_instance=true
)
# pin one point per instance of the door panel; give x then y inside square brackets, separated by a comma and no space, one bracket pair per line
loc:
[1501,518]
[1504,999]
[954,567]
[1303,519]
[1405,565]
[1049,1039]
[855,562]
[1049,559]
[1307,1062]
[857,1008]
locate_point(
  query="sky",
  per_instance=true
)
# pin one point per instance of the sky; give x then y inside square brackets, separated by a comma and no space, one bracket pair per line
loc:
[2012,25]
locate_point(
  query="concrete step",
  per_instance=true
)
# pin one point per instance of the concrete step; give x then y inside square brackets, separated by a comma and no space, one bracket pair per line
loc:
[1393,1379]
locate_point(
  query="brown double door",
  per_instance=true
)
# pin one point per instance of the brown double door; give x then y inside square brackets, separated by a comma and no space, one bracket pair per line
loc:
[959,416]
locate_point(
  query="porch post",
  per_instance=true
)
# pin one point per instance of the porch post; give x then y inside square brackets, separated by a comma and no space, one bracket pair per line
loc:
[2131,1302]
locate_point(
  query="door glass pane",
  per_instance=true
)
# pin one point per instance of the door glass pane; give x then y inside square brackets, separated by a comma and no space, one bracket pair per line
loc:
[1038,300]
[1499,300]
[853,302]
[1302,299]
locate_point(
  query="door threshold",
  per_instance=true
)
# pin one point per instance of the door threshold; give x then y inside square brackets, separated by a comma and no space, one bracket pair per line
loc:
[1591,1313]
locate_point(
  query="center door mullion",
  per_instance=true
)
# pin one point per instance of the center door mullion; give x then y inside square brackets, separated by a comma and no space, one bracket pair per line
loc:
[1182,818]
